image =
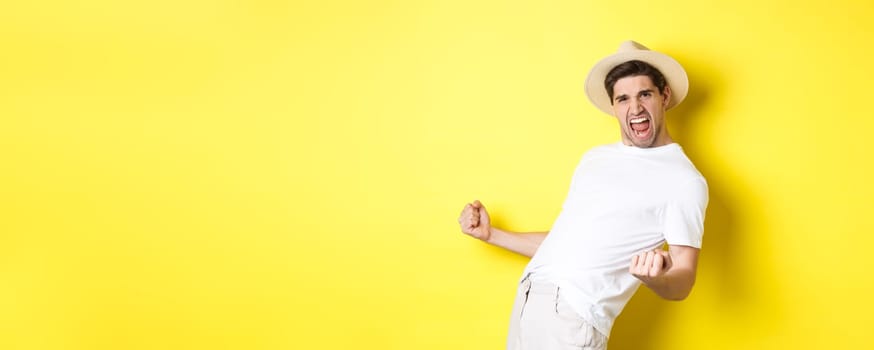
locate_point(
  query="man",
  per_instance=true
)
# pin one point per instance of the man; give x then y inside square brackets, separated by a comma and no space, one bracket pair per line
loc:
[626,200]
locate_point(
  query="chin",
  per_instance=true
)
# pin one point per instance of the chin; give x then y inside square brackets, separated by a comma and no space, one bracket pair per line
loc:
[645,143]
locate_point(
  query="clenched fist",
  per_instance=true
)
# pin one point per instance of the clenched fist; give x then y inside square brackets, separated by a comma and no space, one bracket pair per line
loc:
[650,265]
[474,221]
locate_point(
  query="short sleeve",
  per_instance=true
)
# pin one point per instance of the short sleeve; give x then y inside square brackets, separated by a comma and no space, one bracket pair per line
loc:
[684,215]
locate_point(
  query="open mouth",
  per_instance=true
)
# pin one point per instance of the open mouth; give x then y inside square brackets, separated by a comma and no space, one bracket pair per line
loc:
[640,126]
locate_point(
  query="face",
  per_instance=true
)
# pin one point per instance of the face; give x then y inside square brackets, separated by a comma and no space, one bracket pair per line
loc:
[640,109]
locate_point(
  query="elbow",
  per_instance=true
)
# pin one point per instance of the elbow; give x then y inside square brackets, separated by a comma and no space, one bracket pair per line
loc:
[679,294]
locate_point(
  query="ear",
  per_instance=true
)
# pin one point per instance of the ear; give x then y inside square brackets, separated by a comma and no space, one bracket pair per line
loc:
[667,94]
[615,113]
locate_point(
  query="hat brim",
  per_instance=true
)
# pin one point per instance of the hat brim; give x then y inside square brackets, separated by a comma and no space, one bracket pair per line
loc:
[674,74]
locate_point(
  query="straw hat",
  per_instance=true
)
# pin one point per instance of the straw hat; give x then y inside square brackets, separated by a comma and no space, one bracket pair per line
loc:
[628,51]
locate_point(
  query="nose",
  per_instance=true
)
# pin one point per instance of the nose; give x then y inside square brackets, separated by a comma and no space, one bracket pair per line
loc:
[635,107]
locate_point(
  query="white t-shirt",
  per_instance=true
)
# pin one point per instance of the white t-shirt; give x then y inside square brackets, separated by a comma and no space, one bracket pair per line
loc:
[623,200]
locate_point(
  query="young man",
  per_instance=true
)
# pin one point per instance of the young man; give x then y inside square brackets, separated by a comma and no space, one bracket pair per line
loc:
[626,200]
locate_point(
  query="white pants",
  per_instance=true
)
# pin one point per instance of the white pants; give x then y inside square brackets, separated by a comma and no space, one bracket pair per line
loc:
[542,320]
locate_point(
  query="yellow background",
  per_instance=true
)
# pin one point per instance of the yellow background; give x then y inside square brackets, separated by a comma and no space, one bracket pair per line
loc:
[287,175]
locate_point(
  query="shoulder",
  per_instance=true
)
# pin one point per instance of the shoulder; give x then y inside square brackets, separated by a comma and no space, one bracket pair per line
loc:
[687,182]
[600,151]
[690,190]
[683,168]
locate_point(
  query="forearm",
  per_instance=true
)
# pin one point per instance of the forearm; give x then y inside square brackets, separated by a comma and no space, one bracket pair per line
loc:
[525,243]
[670,274]
[675,284]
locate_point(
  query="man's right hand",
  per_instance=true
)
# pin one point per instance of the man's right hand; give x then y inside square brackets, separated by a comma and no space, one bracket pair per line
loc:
[474,221]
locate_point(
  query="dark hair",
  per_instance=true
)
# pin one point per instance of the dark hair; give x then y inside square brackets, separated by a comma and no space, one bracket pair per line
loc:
[632,69]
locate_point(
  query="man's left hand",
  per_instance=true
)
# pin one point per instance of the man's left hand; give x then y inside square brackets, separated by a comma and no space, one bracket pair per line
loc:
[650,265]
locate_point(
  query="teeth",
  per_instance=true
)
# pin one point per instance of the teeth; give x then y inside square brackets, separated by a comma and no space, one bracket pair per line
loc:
[638,120]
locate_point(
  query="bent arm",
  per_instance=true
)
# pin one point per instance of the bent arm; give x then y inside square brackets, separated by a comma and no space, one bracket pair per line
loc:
[525,243]
[676,282]
[475,222]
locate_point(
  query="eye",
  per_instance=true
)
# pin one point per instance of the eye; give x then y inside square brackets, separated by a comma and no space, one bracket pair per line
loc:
[645,94]
[621,99]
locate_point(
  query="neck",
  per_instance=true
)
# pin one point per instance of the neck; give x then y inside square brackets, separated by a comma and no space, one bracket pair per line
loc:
[663,138]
